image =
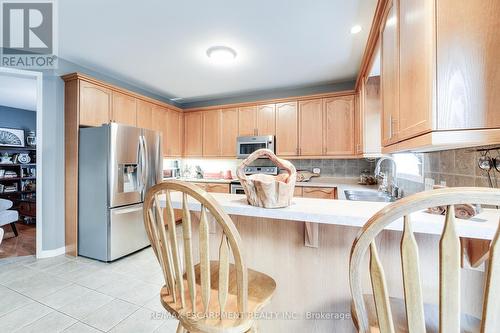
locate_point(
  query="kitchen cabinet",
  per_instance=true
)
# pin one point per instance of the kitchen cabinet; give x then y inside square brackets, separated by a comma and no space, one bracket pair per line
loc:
[416,72]
[448,58]
[124,109]
[144,114]
[368,118]
[211,133]
[229,132]
[94,104]
[311,127]
[339,125]
[319,192]
[390,74]
[297,191]
[214,187]
[266,119]
[174,129]
[159,123]
[247,123]
[287,129]
[193,138]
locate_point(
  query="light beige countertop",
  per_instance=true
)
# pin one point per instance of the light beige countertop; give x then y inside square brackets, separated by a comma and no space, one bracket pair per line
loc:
[347,213]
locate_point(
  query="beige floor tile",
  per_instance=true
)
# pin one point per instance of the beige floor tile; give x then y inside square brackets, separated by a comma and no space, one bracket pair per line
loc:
[84,305]
[130,290]
[23,316]
[14,271]
[97,279]
[169,326]
[54,322]
[11,300]
[37,286]
[46,263]
[142,321]
[64,296]
[81,328]
[110,314]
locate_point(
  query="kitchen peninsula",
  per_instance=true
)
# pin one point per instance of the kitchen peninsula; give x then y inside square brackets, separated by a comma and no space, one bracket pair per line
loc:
[311,278]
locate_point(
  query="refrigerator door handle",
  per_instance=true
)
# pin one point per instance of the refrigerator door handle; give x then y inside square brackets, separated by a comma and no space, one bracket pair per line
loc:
[146,162]
[142,162]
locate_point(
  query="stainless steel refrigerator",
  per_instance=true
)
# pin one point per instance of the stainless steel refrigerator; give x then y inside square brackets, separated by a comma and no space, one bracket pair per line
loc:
[117,165]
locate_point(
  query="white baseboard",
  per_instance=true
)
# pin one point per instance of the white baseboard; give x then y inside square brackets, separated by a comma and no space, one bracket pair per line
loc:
[51,253]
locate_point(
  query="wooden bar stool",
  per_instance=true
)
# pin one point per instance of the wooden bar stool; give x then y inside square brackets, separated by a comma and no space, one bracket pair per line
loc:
[212,296]
[380,313]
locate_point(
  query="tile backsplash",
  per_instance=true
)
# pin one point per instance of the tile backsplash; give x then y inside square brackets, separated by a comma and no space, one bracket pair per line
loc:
[337,168]
[457,167]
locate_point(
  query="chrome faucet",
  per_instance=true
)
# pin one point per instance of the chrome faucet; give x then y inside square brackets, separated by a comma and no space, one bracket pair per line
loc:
[388,185]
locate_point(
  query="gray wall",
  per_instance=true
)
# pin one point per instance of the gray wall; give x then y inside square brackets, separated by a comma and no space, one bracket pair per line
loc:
[17,118]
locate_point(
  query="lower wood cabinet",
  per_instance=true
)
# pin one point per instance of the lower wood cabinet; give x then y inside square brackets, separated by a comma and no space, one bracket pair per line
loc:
[214,187]
[319,192]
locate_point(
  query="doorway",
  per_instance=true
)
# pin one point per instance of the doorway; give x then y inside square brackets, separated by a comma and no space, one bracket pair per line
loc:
[20,163]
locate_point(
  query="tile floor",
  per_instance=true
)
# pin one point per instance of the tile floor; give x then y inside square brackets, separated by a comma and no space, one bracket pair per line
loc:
[65,294]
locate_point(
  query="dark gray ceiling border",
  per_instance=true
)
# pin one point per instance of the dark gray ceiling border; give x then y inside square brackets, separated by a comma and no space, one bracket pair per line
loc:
[271,94]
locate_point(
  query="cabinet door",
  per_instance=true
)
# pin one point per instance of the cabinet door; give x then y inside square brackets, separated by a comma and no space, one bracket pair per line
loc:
[211,133]
[468,64]
[311,127]
[339,125]
[217,188]
[287,129]
[320,192]
[297,191]
[247,121]
[390,75]
[173,144]
[229,132]
[193,124]
[124,109]
[159,123]
[144,114]
[266,119]
[416,77]
[95,104]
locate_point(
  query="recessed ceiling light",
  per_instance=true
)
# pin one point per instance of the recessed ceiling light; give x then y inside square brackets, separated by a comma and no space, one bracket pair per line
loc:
[221,54]
[356,29]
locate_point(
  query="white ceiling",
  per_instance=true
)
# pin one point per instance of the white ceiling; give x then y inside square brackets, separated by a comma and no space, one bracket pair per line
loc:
[18,92]
[161,45]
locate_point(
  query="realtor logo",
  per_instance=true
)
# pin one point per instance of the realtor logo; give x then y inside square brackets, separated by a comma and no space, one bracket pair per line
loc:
[28,34]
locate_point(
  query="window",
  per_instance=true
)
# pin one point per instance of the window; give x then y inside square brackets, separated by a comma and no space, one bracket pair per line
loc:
[410,166]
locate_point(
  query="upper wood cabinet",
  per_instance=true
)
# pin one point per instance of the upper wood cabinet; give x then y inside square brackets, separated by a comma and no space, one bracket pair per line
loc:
[266,119]
[339,125]
[229,132]
[144,114]
[287,129]
[247,123]
[159,123]
[211,133]
[94,104]
[448,54]
[390,74]
[174,128]
[311,127]
[416,66]
[468,64]
[124,109]
[193,135]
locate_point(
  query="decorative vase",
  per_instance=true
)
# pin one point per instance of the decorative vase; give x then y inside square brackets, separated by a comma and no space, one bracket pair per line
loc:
[31,139]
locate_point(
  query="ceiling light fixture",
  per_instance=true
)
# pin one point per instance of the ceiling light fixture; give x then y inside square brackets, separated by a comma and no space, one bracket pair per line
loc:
[221,54]
[356,29]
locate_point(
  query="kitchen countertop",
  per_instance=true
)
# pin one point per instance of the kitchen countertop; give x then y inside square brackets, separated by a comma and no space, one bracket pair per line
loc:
[347,213]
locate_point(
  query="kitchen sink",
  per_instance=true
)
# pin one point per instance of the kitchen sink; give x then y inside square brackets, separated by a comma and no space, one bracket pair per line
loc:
[366,195]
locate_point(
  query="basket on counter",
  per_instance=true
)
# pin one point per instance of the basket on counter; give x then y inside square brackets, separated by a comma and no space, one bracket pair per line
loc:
[265,190]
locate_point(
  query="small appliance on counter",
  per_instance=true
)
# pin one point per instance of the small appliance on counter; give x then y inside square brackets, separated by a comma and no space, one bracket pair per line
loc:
[117,165]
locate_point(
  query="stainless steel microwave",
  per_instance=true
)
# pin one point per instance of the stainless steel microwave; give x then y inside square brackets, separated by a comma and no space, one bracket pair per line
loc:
[245,145]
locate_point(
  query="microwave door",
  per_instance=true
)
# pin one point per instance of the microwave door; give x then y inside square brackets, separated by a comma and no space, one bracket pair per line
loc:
[125,166]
